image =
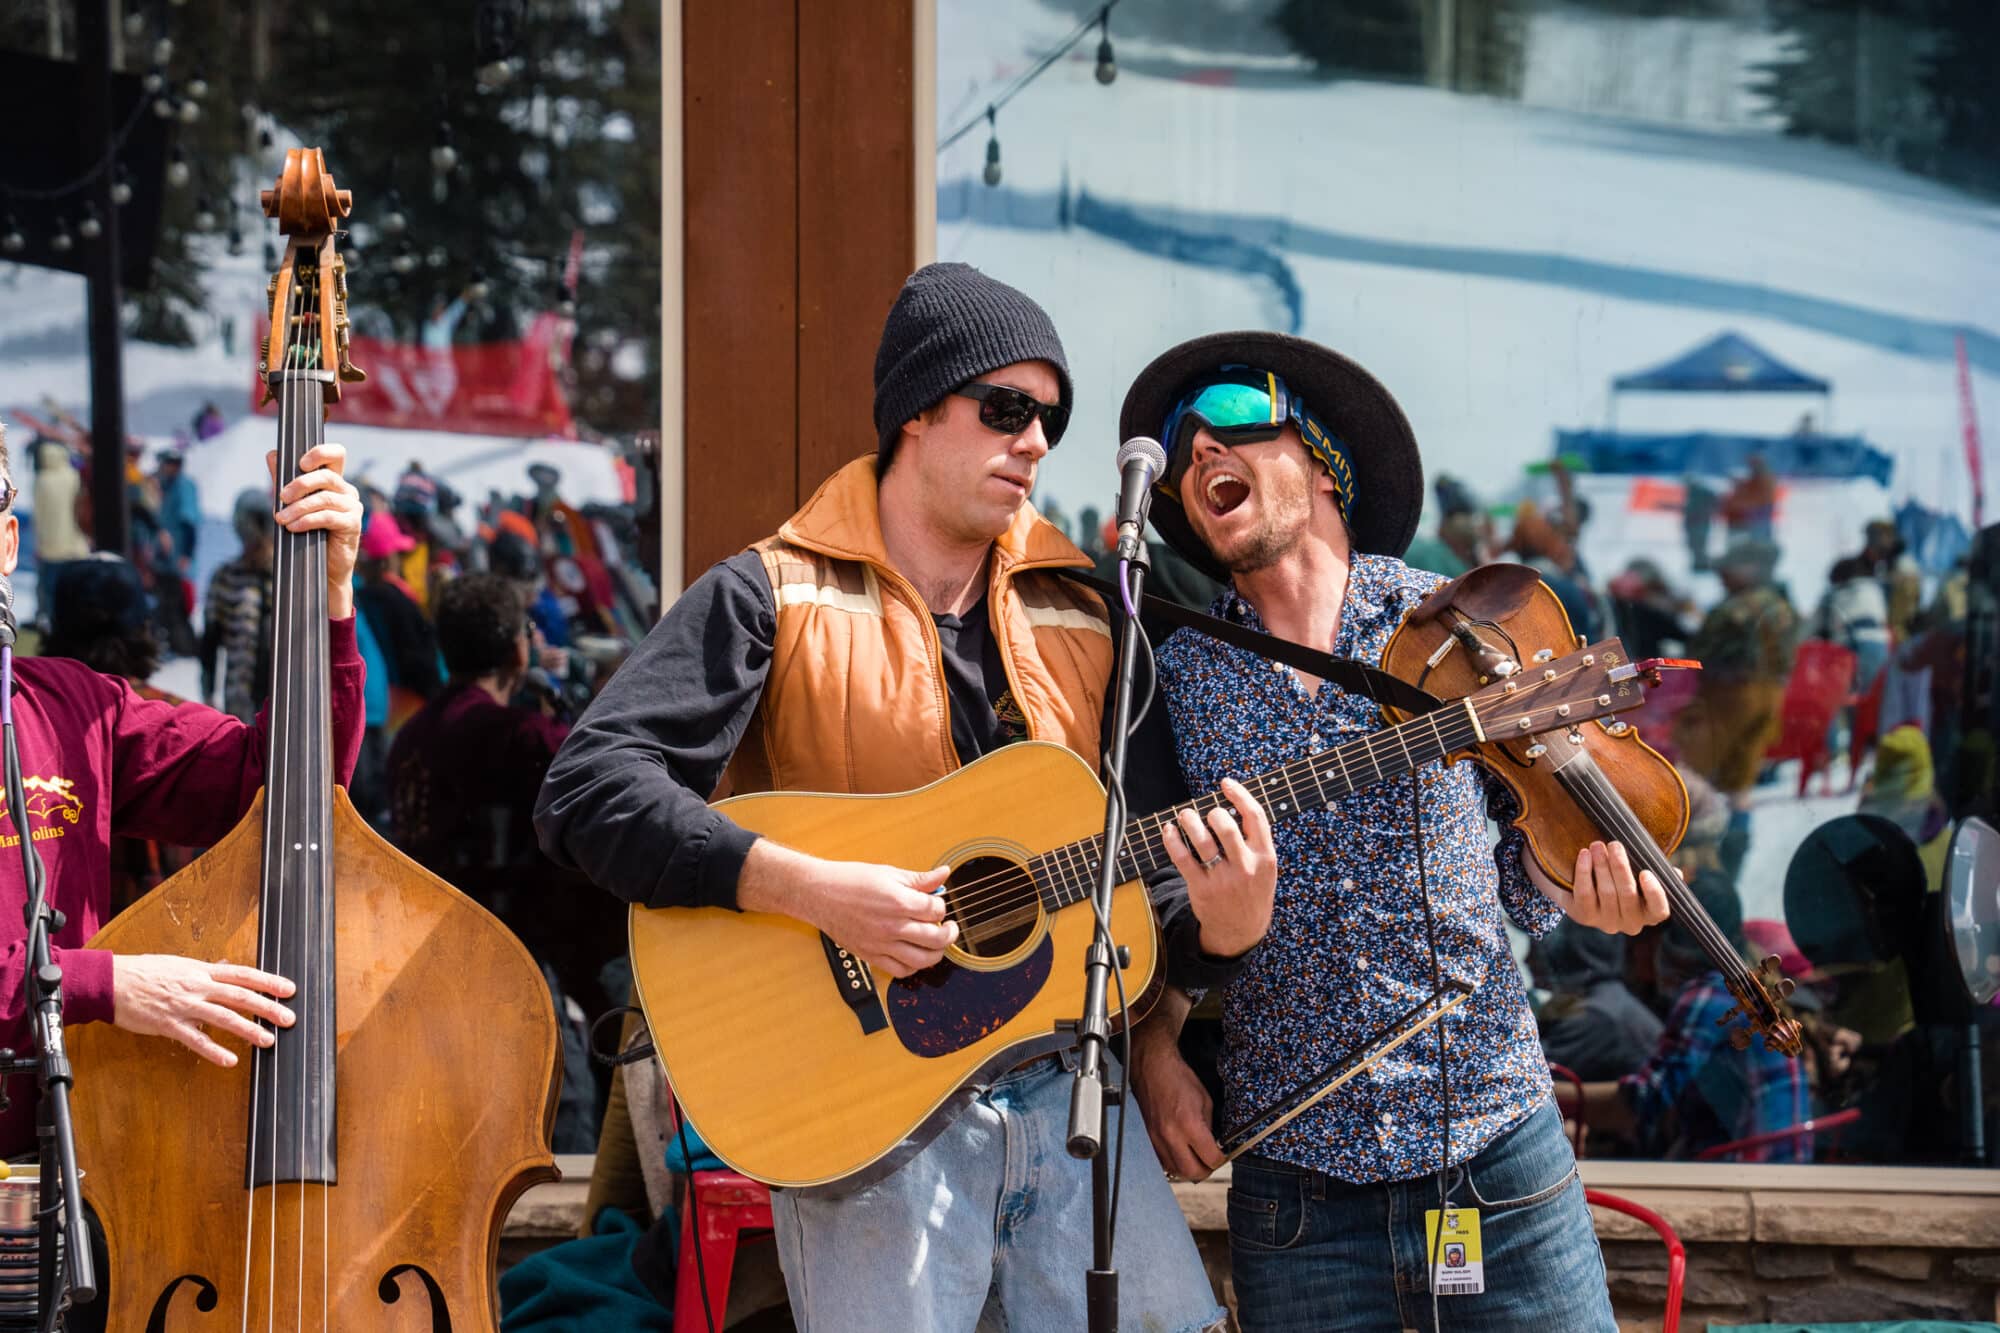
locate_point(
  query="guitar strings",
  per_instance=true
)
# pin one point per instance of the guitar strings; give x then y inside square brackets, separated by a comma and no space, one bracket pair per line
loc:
[1075,864]
[1081,870]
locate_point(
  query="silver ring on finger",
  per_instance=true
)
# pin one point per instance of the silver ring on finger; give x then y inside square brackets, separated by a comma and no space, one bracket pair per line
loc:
[1213,861]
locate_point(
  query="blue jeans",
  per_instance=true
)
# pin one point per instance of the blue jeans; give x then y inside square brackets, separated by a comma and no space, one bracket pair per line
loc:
[1313,1253]
[989,1228]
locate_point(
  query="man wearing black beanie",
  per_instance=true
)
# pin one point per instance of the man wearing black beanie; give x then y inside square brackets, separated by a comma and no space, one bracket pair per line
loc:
[908,619]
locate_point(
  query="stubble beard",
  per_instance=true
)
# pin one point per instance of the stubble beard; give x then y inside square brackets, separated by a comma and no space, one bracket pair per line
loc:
[1287,512]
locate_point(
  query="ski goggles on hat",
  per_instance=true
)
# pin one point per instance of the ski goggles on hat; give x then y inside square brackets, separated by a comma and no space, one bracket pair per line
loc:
[1243,405]
[1010,411]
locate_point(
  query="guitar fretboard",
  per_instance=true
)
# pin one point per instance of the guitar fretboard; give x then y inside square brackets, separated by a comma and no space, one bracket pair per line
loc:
[1068,874]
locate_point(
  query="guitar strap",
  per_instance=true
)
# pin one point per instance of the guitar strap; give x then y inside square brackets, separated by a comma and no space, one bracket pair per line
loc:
[1354,677]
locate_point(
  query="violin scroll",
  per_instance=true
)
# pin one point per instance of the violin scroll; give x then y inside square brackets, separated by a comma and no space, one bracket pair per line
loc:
[1760,997]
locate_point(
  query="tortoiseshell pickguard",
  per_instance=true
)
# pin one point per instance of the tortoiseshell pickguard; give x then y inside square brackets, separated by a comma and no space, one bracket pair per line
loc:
[947,1008]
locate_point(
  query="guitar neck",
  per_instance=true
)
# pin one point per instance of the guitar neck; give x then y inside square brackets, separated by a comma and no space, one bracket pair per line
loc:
[1068,874]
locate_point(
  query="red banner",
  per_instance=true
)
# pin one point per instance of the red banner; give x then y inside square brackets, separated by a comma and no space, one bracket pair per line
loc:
[1968,412]
[501,388]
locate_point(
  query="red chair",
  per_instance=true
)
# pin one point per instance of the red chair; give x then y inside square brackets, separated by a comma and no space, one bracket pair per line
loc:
[1867,723]
[1677,1260]
[727,1205]
[1822,675]
[1820,1125]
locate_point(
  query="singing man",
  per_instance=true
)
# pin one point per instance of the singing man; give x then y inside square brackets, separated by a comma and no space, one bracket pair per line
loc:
[906,620]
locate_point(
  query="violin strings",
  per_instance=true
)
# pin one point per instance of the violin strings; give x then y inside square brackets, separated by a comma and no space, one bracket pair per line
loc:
[1609,810]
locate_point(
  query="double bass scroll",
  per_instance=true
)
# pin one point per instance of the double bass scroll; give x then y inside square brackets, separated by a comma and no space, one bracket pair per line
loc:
[355,1175]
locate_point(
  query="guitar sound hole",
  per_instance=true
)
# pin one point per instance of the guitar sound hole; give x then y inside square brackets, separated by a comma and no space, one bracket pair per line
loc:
[995,904]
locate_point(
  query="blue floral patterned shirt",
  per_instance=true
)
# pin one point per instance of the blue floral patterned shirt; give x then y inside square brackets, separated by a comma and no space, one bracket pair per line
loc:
[1347,952]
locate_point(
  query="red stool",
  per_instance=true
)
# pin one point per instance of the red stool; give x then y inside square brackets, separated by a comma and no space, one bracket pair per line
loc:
[1677,1259]
[727,1205]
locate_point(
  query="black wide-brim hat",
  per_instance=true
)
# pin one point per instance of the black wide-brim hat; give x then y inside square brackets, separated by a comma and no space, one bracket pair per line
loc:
[1349,402]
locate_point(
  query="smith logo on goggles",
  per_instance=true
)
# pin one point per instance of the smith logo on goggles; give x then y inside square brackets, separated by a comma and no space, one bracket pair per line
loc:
[1243,405]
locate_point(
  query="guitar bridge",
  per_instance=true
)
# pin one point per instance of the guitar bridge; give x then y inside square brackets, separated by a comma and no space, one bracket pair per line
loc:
[857,985]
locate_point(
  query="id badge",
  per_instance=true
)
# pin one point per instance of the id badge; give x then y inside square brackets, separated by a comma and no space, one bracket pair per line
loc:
[1460,1268]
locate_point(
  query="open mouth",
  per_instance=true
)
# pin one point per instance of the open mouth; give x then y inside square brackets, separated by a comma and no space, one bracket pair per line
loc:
[1224,494]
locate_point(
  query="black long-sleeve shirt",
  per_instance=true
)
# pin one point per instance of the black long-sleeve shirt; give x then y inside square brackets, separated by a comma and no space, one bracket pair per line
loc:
[626,800]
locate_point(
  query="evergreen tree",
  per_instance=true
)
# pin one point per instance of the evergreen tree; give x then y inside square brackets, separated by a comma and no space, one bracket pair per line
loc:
[550,111]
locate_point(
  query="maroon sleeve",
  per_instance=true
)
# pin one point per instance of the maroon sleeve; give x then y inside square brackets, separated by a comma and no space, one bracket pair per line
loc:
[186,774]
[350,712]
[86,983]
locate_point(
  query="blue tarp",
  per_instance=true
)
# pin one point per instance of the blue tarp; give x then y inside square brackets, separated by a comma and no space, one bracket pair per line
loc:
[1715,454]
[1726,363]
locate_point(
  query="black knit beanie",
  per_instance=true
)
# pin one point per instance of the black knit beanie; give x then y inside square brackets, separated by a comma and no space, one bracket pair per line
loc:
[950,324]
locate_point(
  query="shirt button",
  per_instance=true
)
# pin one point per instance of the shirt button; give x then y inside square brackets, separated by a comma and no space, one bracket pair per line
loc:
[1314,743]
[1362,962]
[1347,886]
[1388,1119]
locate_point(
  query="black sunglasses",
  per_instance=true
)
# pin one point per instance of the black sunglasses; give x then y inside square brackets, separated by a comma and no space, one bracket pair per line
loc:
[7,495]
[1010,411]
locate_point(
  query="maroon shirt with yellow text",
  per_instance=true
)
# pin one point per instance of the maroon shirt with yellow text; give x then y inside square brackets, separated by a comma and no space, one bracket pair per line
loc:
[98,759]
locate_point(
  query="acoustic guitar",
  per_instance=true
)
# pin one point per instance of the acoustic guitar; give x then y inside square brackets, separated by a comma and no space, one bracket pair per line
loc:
[801,1066]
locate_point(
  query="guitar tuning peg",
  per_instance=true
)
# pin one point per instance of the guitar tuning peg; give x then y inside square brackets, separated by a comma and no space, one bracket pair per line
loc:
[1740,1039]
[1785,988]
[1770,963]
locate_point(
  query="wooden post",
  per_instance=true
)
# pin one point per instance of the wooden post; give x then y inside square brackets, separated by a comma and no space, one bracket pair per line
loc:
[800,211]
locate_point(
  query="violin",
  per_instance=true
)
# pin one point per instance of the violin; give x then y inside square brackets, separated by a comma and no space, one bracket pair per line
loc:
[1583,781]
[373,1152]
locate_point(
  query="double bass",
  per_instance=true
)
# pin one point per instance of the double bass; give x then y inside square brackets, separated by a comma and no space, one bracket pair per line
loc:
[355,1174]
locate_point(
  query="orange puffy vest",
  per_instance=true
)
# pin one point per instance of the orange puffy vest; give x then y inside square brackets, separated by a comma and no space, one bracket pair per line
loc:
[856,702]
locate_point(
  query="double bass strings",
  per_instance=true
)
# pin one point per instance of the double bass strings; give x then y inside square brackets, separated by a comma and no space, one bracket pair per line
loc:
[278,354]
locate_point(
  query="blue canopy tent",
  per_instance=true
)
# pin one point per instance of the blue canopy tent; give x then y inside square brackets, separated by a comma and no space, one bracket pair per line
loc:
[1726,363]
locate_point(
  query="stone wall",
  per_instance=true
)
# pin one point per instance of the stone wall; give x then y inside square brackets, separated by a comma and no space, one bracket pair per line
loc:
[1754,1255]
[1770,1256]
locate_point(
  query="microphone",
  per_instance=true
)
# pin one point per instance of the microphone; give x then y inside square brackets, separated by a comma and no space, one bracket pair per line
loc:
[1141,461]
[6,612]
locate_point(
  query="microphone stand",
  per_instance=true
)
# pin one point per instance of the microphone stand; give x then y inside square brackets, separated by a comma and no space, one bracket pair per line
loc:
[1089,1095]
[53,1128]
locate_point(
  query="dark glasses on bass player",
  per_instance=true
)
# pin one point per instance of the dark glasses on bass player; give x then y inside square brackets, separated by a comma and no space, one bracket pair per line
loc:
[1010,411]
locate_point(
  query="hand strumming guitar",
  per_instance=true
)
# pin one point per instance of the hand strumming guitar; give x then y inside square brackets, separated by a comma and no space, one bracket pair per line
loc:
[890,918]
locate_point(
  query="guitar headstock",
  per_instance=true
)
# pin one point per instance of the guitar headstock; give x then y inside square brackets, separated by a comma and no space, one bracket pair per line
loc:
[308,293]
[1590,683]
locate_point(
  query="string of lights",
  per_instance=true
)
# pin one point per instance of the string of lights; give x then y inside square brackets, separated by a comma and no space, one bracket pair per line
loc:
[1107,71]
